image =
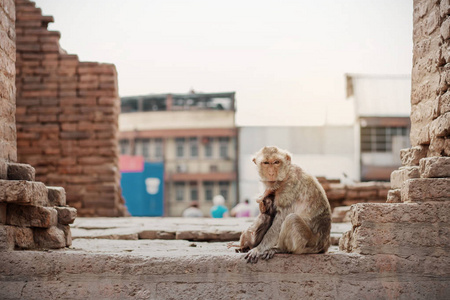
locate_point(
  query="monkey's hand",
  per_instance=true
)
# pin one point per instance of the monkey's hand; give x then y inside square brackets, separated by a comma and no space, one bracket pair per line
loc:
[252,256]
[269,253]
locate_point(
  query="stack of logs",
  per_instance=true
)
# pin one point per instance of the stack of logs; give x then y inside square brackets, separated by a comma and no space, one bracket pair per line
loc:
[32,216]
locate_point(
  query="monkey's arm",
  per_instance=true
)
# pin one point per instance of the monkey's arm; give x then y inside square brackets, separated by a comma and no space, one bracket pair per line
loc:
[268,242]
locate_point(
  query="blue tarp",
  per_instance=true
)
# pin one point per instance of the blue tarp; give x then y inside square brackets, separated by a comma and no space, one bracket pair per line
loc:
[144,191]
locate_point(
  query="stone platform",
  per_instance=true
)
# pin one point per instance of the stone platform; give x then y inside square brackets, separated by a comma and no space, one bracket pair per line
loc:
[99,268]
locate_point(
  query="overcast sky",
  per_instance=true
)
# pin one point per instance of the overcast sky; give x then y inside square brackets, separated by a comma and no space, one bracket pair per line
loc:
[285,60]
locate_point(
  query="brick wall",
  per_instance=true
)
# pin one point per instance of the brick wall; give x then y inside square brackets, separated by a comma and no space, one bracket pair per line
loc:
[67,117]
[7,88]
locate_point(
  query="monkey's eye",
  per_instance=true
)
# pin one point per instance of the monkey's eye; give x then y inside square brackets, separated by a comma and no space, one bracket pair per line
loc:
[266,162]
[277,162]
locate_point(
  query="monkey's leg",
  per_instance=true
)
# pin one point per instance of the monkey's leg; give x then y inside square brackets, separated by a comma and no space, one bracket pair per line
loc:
[295,235]
[268,242]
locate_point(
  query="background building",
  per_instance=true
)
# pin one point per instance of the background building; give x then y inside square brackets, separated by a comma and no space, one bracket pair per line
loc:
[193,135]
[382,121]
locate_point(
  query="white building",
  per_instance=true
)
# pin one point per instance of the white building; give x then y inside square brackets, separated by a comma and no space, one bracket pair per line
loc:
[359,139]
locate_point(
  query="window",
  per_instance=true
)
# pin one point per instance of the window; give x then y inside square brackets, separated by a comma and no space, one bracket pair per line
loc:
[158,149]
[209,147]
[179,147]
[224,188]
[223,147]
[193,145]
[379,139]
[129,105]
[194,191]
[179,191]
[124,146]
[209,190]
[142,147]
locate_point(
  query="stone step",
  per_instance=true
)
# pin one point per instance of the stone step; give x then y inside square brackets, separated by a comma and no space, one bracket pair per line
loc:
[400,229]
[156,269]
[426,190]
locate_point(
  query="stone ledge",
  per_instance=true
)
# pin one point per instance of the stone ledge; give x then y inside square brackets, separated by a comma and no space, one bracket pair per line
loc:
[434,167]
[426,189]
[109,269]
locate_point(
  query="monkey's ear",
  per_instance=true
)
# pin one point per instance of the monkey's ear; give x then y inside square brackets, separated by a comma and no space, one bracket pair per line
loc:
[288,157]
[254,160]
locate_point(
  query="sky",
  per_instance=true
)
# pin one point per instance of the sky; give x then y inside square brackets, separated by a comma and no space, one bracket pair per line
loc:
[286,60]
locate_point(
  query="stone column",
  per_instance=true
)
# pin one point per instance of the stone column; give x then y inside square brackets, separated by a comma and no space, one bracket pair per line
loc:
[415,219]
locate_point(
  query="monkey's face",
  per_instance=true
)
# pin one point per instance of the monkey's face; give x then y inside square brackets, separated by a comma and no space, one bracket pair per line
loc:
[273,164]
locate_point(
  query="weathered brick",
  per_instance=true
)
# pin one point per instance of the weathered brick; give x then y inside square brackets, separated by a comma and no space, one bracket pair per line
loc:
[23,192]
[18,171]
[434,167]
[66,215]
[402,174]
[412,156]
[394,196]
[56,196]
[23,238]
[49,238]
[3,169]
[7,241]
[31,216]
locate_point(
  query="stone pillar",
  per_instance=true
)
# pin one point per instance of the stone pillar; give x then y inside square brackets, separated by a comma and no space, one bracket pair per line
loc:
[415,219]
[67,117]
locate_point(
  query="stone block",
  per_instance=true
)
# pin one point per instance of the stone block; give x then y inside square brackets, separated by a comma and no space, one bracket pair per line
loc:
[6,238]
[18,171]
[23,192]
[412,156]
[440,127]
[402,174]
[445,29]
[31,216]
[426,189]
[435,167]
[56,196]
[394,196]
[23,238]
[49,238]
[67,234]
[3,169]
[66,215]
[401,229]
[3,209]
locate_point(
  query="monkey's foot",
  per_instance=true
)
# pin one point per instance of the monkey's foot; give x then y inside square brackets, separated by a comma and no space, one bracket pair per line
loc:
[252,256]
[268,254]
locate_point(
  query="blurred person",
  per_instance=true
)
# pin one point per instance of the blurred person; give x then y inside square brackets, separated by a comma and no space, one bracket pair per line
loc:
[241,210]
[219,210]
[192,211]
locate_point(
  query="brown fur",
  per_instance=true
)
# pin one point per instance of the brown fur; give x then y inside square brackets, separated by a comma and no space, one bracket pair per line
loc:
[302,223]
[251,237]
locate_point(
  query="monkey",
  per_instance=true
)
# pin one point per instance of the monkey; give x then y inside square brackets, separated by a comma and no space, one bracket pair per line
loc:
[302,223]
[252,236]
